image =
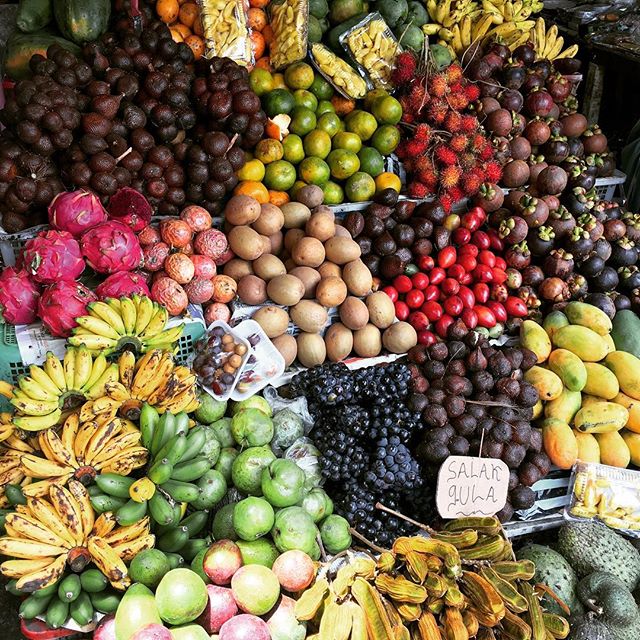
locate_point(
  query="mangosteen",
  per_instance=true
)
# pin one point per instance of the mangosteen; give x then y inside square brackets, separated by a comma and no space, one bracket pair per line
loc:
[536,166]
[519,122]
[489,89]
[543,67]
[576,148]
[500,49]
[577,200]
[513,230]
[538,103]
[511,99]
[520,148]
[497,217]
[485,106]
[525,53]
[592,266]
[513,76]
[501,149]
[561,221]
[554,290]
[632,222]
[558,86]
[599,210]
[541,240]
[568,66]
[534,210]
[580,177]
[579,242]
[515,173]
[623,253]
[532,275]
[552,180]
[594,140]
[559,263]
[512,199]
[589,222]
[518,256]
[556,149]
[537,131]
[606,280]
[608,166]
[629,277]
[532,82]
[621,301]
[490,197]
[555,127]
[514,278]
[577,285]
[602,247]
[499,122]
[603,302]
[530,298]
[614,212]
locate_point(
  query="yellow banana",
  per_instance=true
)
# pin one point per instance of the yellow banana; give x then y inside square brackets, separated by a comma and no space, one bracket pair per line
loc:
[164,337]
[35,467]
[115,304]
[145,311]
[105,523]
[41,377]
[126,534]
[556,49]
[157,323]
[109,315]
[116,446]
[99,440]
[6,430]
[45,513]
[18,568]
[14,442]
[442,10]
[179,403]
[37,423]
[107,560]
[110,375]
[93,342]
[68,509]
[456,41]
[129,550]
[53,368]
[570,52]
[24,526]
[69,432]
[69,367]
[61,454]
[117,392]
[432,9]
[87,517]
[126,368]
[43,578]
[34,390]
[85,433]
[19,548]
[154,368]
[126,462]
[83,367]
[40,489]
[128,315]
[99,365]
[34,407]
[465,31]
[6,389]
[98,326]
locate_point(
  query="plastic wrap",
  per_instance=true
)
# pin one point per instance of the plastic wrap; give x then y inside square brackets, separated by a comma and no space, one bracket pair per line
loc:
[306,455]
[338,73]
[226,30]
[289,21]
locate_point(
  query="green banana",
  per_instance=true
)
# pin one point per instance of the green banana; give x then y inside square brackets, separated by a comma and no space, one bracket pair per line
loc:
[195,441]
[105,601]
[57,613]
[182,423]
[81,609]
[32,607]
[47,591]
[173,449]
[181,491]
[165,430]
[161,510]
[114,485]
[103,503]
[69,588]
[11,588]
[195,522]
[173,540]
[191,470]
[160,471]
[93,581]
[149,418]
[193,547]
[131,513]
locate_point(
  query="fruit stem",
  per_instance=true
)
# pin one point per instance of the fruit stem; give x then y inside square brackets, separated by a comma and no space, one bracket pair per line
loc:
[362,539]
[397,514]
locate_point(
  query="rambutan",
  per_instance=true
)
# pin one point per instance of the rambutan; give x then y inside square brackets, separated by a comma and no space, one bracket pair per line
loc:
[452,121]
[469,124]
[401,150]
[453,73]
[438,85]
[417,99]
[456,194]
[418,190]
[467,160]
[486,153]
[423,132]
[405,68]
[493,172]
[426,172]
[470,183]
[445,155]
[416,147]
[472,91]
[450,176]
[457,87]
[458,142]
[446,201]
[458,101]
[437,111]
[477,142]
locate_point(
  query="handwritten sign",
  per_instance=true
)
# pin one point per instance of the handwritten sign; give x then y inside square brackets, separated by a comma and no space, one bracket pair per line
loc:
[471,486]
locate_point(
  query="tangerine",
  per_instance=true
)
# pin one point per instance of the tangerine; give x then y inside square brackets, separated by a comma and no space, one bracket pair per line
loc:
[254,189]
[278,197]
[257,19]
[257,44]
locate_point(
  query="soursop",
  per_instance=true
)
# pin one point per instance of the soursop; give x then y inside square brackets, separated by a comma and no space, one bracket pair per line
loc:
[588,627]
[590,547]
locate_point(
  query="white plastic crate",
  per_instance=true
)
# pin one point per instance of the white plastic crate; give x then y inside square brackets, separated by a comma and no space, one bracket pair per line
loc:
[607,187]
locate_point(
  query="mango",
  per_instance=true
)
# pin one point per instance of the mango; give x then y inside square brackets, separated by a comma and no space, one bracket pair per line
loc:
[585,343]
[633,407]
[588,316]
[569,367]
[613,449]
[588,447]
[588,400]
[538,409]
[611,345]
[565,406]
[627,369]
[559,443]
[553,322]
[547,383]
[601,381]
[602,417]
[632,440]
[536,339]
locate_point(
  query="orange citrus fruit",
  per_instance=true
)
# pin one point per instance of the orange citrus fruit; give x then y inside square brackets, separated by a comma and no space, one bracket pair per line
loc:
[269,150]
[261,81]
[360,187]
[260,4]
[317,143]
[279,175]
[361,122]
[168,10]
[388,180]
[293,148]
[278,197]
[333,193]
[264,63]
[188,13]
[182,29]
[343,163]
[252,170]
[257,19]
[299,75]
[257,44]
[314,171]
[254,189]
[343,106]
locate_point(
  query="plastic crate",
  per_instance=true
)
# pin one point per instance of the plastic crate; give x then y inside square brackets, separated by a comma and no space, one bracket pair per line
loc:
[11,244]
[607,187]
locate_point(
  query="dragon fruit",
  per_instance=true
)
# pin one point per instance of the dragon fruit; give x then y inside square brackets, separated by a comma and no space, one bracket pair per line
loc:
[18,297]
[123,283]
[61,303]
[76,211]
[111,247]
[52,256]
[131,208]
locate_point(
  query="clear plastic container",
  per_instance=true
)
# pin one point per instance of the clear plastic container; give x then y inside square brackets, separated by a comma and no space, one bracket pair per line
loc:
[226,30]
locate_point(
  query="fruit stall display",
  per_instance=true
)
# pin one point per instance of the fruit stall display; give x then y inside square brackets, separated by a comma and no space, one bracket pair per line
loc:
[408,242]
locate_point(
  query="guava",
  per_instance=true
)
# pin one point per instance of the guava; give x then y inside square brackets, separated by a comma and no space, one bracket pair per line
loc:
[225,462]
[287,428]
[246,471]
[251,428]
[294,529]
[254,402]
[253,518]
[317,504]
[210,409]
[283,483]
[222,429]
[261,551]
[335,534]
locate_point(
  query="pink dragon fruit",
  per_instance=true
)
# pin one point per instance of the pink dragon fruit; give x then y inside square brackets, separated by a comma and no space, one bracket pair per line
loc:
[131,208]
[111,247]
[18,297]
[52,256]
[76,211]
[61,303]
[123,283]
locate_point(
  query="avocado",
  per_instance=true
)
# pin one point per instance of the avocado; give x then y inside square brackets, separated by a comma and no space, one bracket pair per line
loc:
[410,36]
[590,547]
[394,12]
[417,13]
[342,10]
[318,8]
[555,572]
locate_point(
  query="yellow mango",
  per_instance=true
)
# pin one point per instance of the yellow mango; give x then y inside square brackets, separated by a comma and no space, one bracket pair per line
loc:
[602,417]
[611,345]
[632,441]
[565,406]
[538,408]
[588,316]
[553,322]
[585,343]
[627,369]
[535,338]
[559,443]
[569,367]
[601,381]
[613,449]
[547,383]
[588,400]
[633,407]
[588,447]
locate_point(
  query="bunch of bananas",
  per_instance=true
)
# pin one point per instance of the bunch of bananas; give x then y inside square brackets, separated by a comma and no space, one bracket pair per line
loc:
[548,44]
[12,474]
[46,534]
[47,395]
[135,323]
[429,588]
[75,596]
[168,486]
[6,423]
[108,444]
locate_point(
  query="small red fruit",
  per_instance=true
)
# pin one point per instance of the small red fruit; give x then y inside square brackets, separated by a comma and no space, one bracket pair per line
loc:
[447,257]
[501,263]
[426,263]
[468,262]
[420,281]
[481,292]
[418,320]
[450,286]
[453,306]
[437,275]
[427,337]
[456,271]
[469,250]
[495,241]
[433,310]
[392,292]
[481,239]
[432,293]
[414,299]
[461,236]
[498,275]
[470,318]
[466,295]
[487,257]
[516,307]
[483,273]
[442,326]
[498,310]
[402,310]
[485,317]
[403,284]
[466,279]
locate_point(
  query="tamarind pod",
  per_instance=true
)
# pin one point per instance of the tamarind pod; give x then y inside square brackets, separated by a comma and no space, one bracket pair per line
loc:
[482,594]
[459,539]
[512,598]
[512,570]
[482,524]
[539,631]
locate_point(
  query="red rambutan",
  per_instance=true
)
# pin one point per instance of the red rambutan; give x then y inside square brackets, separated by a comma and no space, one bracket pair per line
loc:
[467,160]
[477,142]
[401,150]
[450,176]
[469,124]
[452,121]
[470,183]
[438,111]
[444,155]
[438,85]
[416,147]
[417,99]
[422,132]
[472,91]
[446,201]
[458,101]
[418,190]
[453,73]
[486,153]
[456,194]
[458,142]
[426,172]
[493,172]
[405,68]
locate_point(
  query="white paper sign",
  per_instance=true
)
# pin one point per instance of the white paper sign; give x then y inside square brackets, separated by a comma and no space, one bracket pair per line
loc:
[34,341]
[470,486]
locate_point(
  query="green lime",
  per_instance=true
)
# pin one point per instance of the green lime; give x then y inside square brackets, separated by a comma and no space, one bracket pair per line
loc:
[343,163]
[299,75]
[330,123]
[371,161]
[306,99]
[347,140]
[386,139]
[314,32]
[372,96]
[361,122]
[148,567]
[278,101]
[293,149]
[320,88]
[387,110]
[360,187]
[325,106]
[261,81]
[317,143]
[333,193]
[279,175]
[303,120]
[314,171]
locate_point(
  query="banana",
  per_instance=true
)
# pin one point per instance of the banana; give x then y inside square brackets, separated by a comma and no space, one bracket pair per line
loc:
[117,446]
[34,407]
[129,550]
[34,390]
[44,577]
[69,510]
[104,312]
[157,323]
[98,368]
[20,548]
[107,560]
[126,462]
[128,534]
[149,418]
[166,336]
[6,389]
[59,453]
[105,523]
[69,367]
[25,526]
[93,342]
[37,423]
[570,52]
[126,368]
[143,489]
[147,373]
[556,49]
[442,10]
[144,314]
[83,367]
[432,9]
[53,368]
[40,489]
[41,377]
[128,315]
[465,32]
[45,513]
[99,440]
[98,326]
[80,493]
[456,41]
[110,375]
[19,568]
